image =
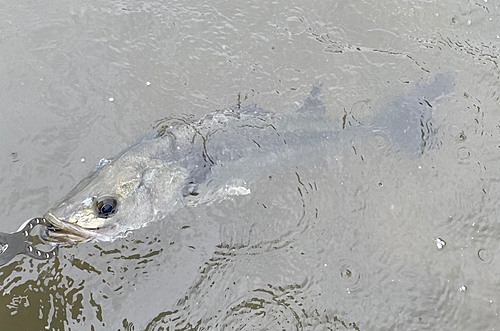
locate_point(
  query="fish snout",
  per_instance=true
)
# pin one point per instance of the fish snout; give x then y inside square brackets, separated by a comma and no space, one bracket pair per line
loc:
[63,232]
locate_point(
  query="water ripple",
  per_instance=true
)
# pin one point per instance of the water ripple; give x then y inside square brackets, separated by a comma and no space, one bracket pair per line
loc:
[351,275]
[271,308]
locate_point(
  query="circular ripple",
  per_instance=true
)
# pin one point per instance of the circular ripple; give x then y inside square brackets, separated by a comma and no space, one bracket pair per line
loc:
[454,130]
[485,255]
[379,139]
[351,275]
[463,155]
[266,309]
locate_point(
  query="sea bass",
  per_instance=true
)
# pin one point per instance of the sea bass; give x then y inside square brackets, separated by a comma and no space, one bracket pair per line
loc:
[189,162]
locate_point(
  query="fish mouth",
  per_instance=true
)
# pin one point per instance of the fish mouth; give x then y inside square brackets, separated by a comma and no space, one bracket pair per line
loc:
[62,232]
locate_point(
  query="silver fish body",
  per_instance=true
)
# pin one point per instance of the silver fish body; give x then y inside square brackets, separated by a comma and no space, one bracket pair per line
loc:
[190,162]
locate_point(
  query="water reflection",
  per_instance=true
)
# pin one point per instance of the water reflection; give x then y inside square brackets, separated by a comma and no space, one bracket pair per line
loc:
[42,290]
[72,290]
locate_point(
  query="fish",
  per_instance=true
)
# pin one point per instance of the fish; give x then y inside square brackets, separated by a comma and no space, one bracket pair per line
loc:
[186,162]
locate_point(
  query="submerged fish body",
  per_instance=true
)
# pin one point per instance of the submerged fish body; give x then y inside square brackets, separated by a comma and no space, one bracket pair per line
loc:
[191,162]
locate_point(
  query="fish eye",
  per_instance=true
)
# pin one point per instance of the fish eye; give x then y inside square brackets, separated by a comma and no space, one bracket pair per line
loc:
[106,207]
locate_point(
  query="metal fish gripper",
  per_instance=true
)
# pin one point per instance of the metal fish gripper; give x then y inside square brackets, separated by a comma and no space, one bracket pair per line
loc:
[13,244]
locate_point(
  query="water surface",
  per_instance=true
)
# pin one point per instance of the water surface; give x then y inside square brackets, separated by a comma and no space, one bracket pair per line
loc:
[347,245]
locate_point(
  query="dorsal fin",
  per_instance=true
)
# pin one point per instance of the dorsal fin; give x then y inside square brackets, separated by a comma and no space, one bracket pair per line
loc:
[313,107]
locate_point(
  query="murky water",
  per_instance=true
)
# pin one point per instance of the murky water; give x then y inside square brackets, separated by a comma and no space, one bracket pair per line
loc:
[351,244]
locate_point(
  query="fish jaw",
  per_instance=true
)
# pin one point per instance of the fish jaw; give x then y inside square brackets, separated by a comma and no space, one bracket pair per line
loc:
[63,232]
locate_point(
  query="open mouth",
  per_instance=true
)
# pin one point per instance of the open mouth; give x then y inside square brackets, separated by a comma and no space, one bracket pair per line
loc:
[61,232]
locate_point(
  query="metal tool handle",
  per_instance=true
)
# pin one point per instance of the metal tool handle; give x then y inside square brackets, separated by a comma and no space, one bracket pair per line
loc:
[12,244]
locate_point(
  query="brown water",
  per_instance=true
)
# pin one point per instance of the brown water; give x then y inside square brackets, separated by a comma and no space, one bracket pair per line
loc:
[354,249]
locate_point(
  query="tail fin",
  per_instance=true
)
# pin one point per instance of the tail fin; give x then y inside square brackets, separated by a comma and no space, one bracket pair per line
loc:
[407,120]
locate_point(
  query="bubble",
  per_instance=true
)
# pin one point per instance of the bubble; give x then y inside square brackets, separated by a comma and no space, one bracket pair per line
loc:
[111,99]
[440,243]
[461,136]
[148,83]
[82,160]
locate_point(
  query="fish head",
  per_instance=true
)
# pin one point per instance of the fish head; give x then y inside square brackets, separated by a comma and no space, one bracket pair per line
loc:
[125,194]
